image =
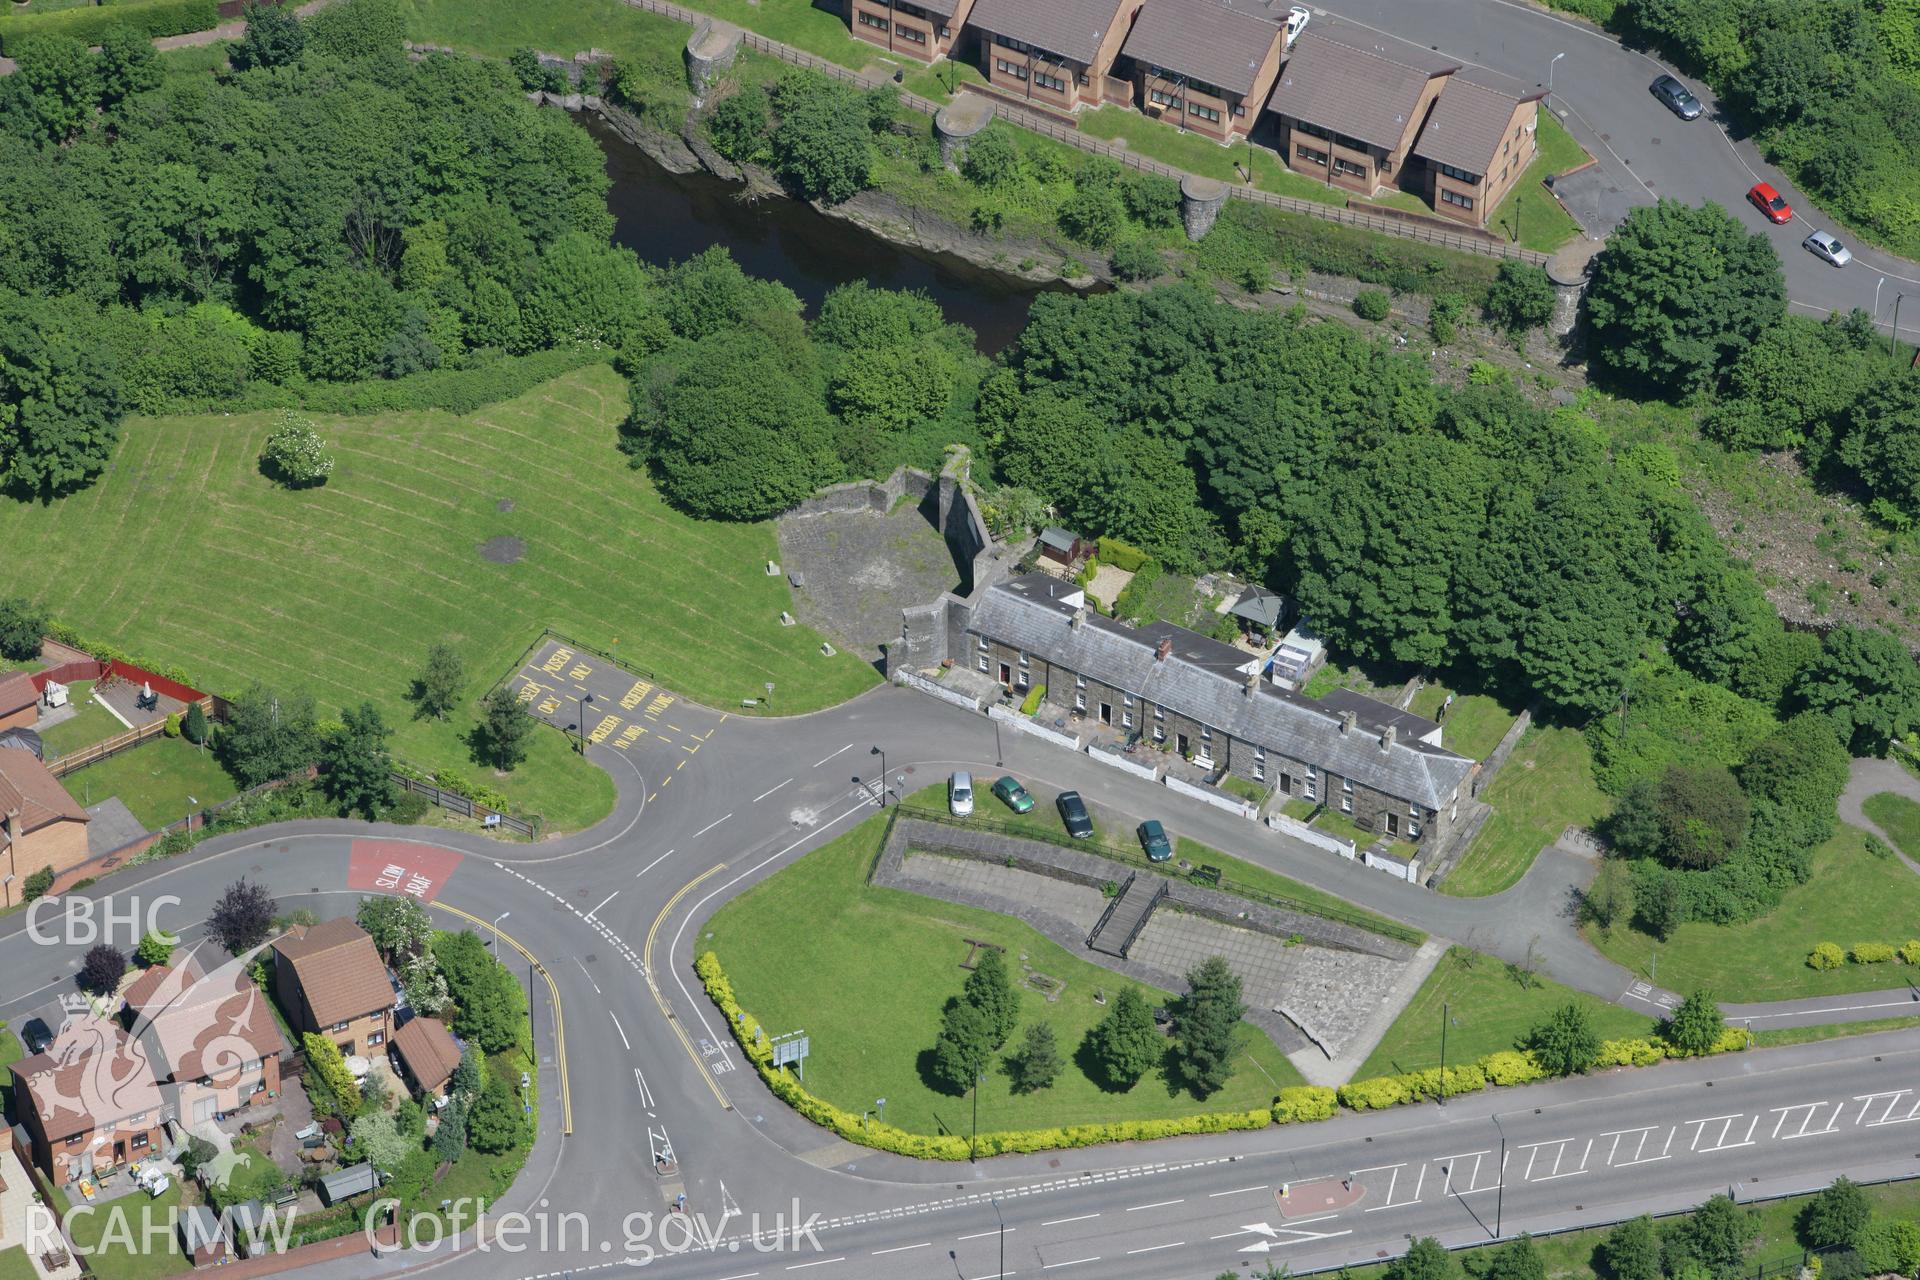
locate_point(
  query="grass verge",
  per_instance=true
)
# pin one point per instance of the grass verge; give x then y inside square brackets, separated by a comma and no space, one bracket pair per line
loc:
[867,971]
[1530,214]
[1899,817]
[1546,785]
[160,781]
[1473,727]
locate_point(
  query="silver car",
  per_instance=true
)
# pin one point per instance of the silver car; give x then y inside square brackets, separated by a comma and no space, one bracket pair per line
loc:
[1822,245]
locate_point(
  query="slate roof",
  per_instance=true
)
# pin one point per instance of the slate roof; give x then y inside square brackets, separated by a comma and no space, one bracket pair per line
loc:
[1469,119]
[16,692]
[1257,604]
[200,1229]
[1203,40]
[939,8]
[429,1051]
[28,789]
[195,1027]
[1070,28]
[91,1077]
[1213,683]
[1375,715]
[1355,82]
[338,969]
[350,1181]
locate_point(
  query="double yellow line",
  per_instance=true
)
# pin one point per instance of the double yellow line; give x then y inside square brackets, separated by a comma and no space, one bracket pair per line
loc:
[661,1000]
[559,1017]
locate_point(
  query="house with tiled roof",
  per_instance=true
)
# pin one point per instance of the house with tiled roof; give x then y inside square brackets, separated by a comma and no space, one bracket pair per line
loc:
[89,1101]
[211,1037]
[41,826]
[1350,103]
[1203,65]
[427,1053]
[924,30]
[329,980]
[1210,702]
[1477,141]
[19,701]
[1054,53]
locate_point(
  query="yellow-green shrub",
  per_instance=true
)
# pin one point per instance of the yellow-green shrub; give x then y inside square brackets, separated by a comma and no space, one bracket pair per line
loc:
[323,1055]
[1911,952]
[1826,956]
[1121,555]
[1638,1051]
[1377,1093]
[1873,952]
[1304,1104]
[1512,1066]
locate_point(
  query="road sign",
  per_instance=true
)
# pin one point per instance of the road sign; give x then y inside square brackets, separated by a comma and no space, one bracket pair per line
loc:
[790,1050]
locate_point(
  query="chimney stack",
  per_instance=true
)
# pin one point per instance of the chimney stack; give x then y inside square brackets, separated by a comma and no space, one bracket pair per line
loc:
[1161,650]
[1347,721]
[1253,682]
[1387,738]
[1079,616]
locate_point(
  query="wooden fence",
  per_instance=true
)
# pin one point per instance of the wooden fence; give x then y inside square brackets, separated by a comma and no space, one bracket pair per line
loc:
[107,748]
[1072,137]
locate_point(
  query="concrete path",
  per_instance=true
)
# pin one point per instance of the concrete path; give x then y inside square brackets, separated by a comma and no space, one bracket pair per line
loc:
[1869,778]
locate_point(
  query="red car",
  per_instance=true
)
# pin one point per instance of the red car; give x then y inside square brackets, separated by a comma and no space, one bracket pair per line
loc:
[1764,198]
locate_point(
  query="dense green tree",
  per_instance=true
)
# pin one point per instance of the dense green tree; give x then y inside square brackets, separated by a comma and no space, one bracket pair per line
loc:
[1124,1044]
[1788,388]
[1204,1030]
[858,318]
[964,1047]
[993,159]
[273,38]
[62,79]
[354,321]
[242,916]
[1867,683]
[495,1123]
[1880,441]
[22,626]
[1135,260]
[378,1140]
[1037,1063]
[989,989]
[491,1009]
[1051,443]
[1837,1217]
[359,30]
[60,394]
[450,1138]
[590,291]
[127,65]
[1631,1250]
[442,677]
[503,728]
[268,736]
[1521,297]
[1714,1235]
[1566,1043]
[399,926]
[1696,1024]
[1151,200]
[1609,898]
[356,768]
[193,726]
[1517,1260]
[294,453]
[1425,1259]
[1691,816]
[156,948]
[1726,632]
[1802,767]
[738,124]
[709,293]
[821,143]
[1092,214]
[1678,293]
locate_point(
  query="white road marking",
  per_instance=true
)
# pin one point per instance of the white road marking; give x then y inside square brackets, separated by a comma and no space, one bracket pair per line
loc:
[801,1266]
[650,866]
[924,1244]
[711,825]
[980,1235]
[1215,1195]
[822,760]
[1155,1248]
[1076,1262]
[769,791]
[1058,1222]
[622,1030]
[590,981]
[646,1100]
[603,902]
[1157,1205]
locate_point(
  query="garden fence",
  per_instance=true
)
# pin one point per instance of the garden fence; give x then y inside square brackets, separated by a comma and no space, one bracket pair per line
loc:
[107,748]
[1064,132]
[465,806]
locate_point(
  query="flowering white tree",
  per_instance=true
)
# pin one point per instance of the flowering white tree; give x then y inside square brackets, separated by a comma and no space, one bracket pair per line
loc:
[295,455]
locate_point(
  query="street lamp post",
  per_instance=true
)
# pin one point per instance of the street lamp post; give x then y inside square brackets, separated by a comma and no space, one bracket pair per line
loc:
[586,702]
[1556,58]
[1880,284]
[973,1143]
[496,930]
[1001,1272]
[1500,1196]
[1894,346]
[1443,1053]
[876,751]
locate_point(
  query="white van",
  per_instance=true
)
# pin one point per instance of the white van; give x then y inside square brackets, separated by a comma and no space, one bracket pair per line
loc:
[960,794]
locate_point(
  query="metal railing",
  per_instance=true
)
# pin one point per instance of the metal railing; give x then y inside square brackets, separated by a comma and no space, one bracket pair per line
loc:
[1071,136]
[1153,904]
[1113,905]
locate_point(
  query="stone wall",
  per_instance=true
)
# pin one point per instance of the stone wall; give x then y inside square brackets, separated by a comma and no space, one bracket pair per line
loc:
[877,496]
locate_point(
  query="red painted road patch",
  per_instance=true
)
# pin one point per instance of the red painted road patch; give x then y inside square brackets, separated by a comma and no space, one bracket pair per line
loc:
[418,871]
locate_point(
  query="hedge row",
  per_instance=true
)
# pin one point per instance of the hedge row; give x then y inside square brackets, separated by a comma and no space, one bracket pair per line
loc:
[151,18]
[1828,955]
[1304,1104]
[458,784]
[457,391]
[108,653]
[1122,555]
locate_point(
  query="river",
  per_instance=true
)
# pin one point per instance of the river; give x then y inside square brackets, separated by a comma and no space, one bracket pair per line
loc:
[667,217]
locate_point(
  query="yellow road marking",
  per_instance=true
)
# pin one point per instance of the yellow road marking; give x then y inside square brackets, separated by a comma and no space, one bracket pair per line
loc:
[647,958]
[580,672]
[692,751]
[636,695]
[676,728]
[556,660]
[559,1017]
[606,726]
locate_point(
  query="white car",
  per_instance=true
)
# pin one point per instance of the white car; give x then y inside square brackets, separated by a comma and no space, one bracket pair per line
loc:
[1297,19]
[960,794]
[1823,245]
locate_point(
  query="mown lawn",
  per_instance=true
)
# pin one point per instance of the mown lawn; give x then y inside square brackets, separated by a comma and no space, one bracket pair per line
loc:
[866,972]
[91,723]
[495,28]
[339,590]
[1487,1009]
[155,781]
[16,1265]
[1530,214]
[1899,817]
[1473,727]
[1196,153]
[1546,786]
[114,1243]
[1854,896]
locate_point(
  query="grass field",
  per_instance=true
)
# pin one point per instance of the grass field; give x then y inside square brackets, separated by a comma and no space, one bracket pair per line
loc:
[124,1256]
[1487,1010]
[1546,785]
[1899,817]
[155,780]
[16,1265]
[1854,896]
[339,590]
[866,971]
[1241,874]
[495,28]
[1196,153]
[1475,725]
[1530,214]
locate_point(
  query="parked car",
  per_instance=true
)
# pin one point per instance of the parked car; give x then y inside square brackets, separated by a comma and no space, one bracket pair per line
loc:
[1297,18]
[36,1034]
[1073,812]
[1823,245]
[960,794]
[1763,197]
[1677,98]
[1010,793]
[1153,838]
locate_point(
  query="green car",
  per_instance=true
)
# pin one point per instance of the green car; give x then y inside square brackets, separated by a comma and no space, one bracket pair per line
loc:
[1013,794]
[1153,838]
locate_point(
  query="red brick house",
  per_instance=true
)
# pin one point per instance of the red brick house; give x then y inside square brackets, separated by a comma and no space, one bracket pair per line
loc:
[329,980]
[428,1053]
[1054,53]
[19,701]
[212,1038]
[1203,65]
[1350,104]
[1478,140]
[925,31]
[89,1101]
[41,826]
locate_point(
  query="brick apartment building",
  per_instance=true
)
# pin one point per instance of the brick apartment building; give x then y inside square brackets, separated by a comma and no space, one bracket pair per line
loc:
[328,979]
[1054,53]
[1351,103]
[1203,65]
[1479,139]
[1381,767]
[926,31]
[89,1101]
[212,1039]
